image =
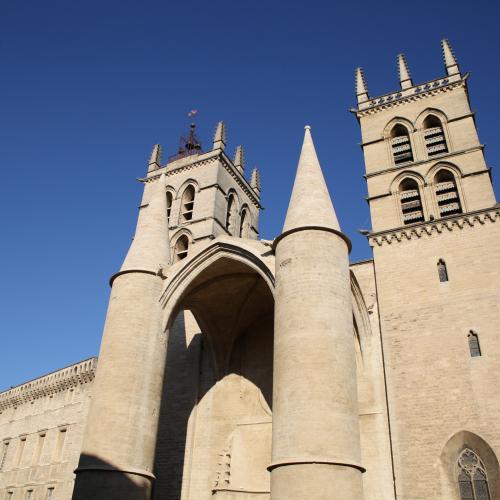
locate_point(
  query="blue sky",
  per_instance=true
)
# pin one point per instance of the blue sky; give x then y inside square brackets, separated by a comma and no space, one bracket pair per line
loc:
[87,88]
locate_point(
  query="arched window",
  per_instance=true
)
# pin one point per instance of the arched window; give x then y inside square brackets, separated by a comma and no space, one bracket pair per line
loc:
[472,479]
[442,271]
[447,193]
[181,248]
[187,203]
[474,347]
[231,215]
[245,224]
[401,145]
[435,140]
[169,204]
[411,204]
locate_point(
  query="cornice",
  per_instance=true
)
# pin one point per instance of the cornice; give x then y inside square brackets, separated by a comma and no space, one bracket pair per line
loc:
[428,228]
[417,92]
[61,380]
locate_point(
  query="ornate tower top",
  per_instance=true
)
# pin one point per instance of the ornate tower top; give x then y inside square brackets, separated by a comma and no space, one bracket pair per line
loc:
[449,58]
[404,72]
[189,145]
[361,88]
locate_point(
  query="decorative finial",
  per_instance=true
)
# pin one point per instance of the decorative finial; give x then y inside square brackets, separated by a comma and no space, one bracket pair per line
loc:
[404,72]
[361,88]
[450,60]
[255,181]
[155,158]
[307,127]
[220,136]
[239,159]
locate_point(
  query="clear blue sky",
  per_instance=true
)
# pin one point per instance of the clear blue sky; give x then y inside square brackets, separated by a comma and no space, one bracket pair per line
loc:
[88,87]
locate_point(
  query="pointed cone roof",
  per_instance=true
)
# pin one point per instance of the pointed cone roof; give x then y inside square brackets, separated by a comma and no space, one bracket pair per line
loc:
[155,158]
[361,87]
[449,56]
[404,72]
[150,248]
[310,204]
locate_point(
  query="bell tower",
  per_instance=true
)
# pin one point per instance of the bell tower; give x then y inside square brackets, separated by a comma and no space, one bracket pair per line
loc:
[436,245]
[207,192]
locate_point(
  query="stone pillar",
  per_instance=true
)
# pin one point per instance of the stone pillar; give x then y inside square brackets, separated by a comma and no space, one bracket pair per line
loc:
[118,450]
[316,442]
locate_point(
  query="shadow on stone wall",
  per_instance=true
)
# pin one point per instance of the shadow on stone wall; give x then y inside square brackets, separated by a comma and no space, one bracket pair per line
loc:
[108,484]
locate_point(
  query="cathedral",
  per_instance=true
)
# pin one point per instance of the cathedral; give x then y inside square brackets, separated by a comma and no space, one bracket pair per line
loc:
[236,368]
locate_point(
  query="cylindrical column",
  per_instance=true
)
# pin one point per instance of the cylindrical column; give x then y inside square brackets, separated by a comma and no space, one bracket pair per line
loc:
[316,444]
[119,442]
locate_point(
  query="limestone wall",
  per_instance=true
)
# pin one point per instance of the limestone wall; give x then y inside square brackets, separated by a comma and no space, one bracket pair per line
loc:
[41,430]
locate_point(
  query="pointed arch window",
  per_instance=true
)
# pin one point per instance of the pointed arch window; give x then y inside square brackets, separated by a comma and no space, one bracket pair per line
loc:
[442,271]
[474,347]
[245,224]
[231,215]
[434,138]
[401,144]
[170,199]
[411,203]
[447,196]
[188,204]
[472,478]
[181,248]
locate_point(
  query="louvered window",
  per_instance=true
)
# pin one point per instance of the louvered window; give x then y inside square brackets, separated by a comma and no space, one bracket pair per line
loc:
[474,347]
[181,248]
[472,479]
[447,196]
[187,204]
[435,140]
[401,145]
[411,203]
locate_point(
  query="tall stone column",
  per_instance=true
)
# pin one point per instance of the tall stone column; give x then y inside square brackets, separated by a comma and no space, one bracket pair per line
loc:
[316,443]
[119,443]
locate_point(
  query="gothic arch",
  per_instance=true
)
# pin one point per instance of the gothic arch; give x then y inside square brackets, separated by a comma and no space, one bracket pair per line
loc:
[176,237]
[449,459]
[397,120]
[361,320]
[419,121]
[457,173]
[185,185]
[394,188]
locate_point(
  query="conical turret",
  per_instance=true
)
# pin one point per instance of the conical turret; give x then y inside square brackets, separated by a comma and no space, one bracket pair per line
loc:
[155,158]
[449,58]
[361,88]
[404,72]
[255,181]
[310,204]
[150,249]
[220,136]
[239,159]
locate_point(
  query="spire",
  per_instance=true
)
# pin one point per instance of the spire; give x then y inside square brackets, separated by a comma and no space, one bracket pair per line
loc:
[155,158]
[404,72]
[239,159]
[310,204]
[449,58]
[150,248]
[255,181]
[361,88]
[220,136]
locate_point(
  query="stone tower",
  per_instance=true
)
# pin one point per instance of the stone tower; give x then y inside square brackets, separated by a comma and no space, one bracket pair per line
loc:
[187,202]
[436,244]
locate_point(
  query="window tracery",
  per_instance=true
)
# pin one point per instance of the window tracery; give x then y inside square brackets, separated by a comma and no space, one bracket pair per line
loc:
[472,478]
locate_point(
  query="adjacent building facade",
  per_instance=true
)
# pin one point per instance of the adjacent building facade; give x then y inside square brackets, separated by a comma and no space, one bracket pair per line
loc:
[244,369]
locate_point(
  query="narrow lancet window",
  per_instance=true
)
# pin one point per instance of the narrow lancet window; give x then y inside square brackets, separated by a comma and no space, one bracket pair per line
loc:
[447,193]
[411,203]
[188,204]
[169,204]
[434,138]
[3,457]
[474,347]
[231,215]
[401,145]
[472,478]
[181,248]
[245,224]
[442,271]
